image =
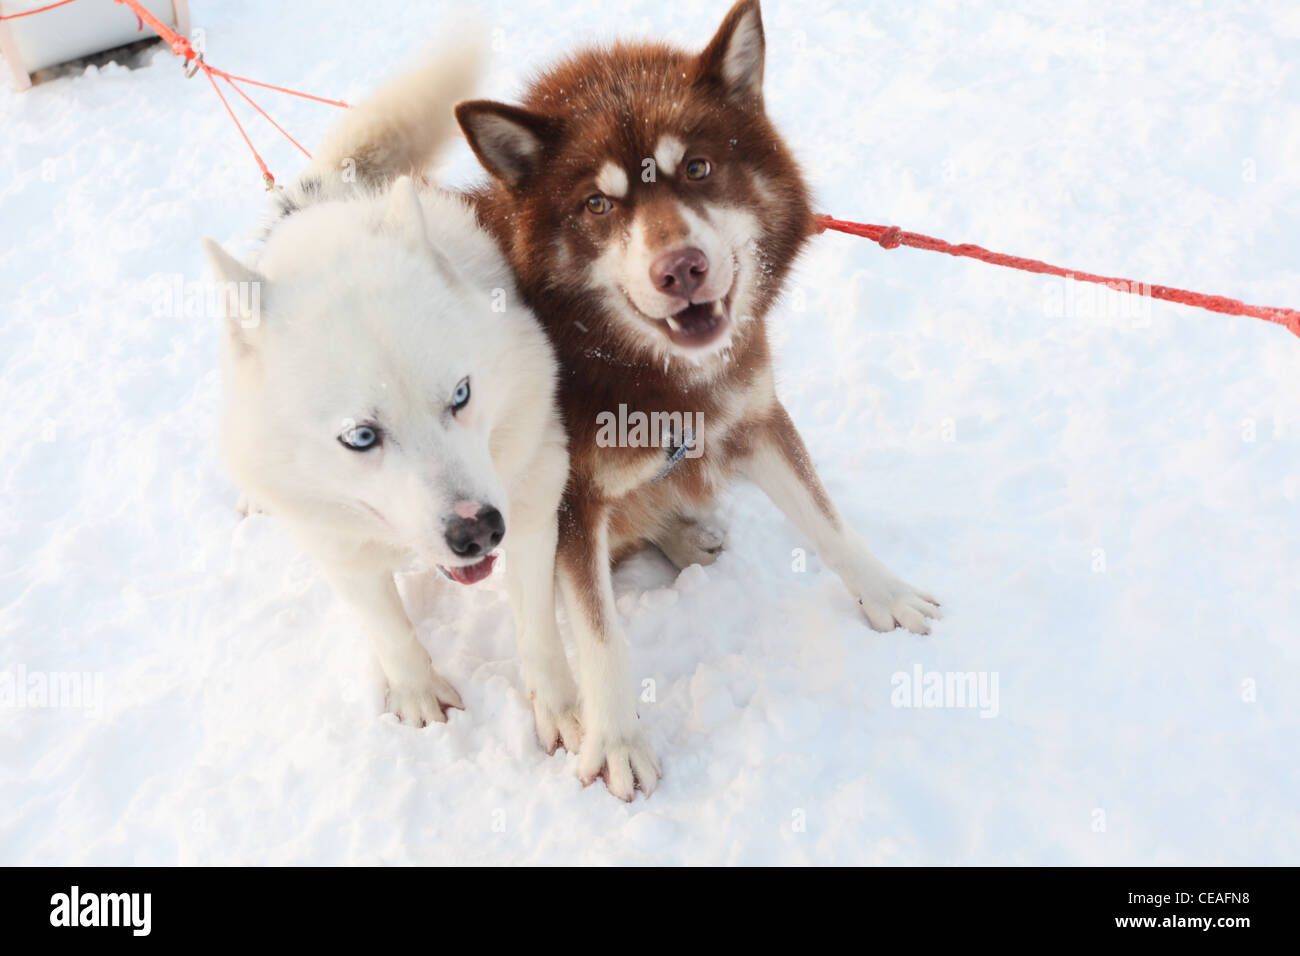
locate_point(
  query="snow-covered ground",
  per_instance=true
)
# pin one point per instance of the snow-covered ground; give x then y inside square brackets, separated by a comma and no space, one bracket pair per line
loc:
[1106,503]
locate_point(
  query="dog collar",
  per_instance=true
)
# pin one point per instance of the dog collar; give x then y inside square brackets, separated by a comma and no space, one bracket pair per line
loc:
[675,455]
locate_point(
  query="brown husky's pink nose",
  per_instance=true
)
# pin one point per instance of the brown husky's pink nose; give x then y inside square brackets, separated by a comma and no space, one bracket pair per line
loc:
[679,272]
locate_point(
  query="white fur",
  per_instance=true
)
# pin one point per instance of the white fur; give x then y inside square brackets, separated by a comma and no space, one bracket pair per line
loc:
[668,153]
[375,304]
[401,124]
[727,235]
[612,181]
[612,735]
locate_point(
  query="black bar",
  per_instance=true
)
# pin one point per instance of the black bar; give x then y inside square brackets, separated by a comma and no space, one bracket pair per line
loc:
[302,906]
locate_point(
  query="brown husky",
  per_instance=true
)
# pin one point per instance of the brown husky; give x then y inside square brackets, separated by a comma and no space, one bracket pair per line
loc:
[651,213]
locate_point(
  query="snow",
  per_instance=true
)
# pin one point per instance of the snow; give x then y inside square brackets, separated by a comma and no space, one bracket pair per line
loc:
[1105,504]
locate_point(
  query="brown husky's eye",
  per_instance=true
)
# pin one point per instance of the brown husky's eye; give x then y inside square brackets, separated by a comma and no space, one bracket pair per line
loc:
[698,169]
[598,205]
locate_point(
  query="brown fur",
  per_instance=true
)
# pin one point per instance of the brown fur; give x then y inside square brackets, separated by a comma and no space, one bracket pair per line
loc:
[610,269]
[614,104]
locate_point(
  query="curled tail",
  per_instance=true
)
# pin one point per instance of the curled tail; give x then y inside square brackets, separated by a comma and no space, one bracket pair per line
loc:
[397,130]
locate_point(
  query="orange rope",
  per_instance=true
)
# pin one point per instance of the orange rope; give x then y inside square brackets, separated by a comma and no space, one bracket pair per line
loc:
[182,48]
[260,110]
[266,173]
[889,237]
[281,89]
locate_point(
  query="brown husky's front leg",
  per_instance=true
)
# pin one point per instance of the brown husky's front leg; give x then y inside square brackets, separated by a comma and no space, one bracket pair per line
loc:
[779,464]
[613,744]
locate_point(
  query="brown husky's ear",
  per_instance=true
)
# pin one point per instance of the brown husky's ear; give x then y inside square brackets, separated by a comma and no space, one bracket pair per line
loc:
[734,57]
[507,140]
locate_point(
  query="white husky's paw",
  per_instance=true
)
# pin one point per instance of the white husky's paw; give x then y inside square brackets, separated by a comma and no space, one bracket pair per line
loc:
[558,724]
[693,542]
[888,602]
[624,761]
[424,701]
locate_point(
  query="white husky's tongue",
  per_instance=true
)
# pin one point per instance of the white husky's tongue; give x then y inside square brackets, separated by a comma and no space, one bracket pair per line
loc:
[471,573]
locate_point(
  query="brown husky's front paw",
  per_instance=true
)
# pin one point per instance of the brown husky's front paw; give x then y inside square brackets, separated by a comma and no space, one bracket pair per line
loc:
[890,602]
[557,726]
[626,764]
[554,697]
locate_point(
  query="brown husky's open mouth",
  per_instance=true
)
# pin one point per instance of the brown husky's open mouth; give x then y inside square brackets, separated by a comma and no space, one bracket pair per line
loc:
[699,324]
[696,325]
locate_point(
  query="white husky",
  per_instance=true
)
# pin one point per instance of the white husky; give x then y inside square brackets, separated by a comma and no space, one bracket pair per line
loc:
[391,400]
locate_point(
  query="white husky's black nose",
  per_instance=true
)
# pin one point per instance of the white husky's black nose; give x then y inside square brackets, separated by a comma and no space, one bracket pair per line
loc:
[476,535]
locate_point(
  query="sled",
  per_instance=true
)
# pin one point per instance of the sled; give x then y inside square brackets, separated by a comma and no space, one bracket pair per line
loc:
[74,30]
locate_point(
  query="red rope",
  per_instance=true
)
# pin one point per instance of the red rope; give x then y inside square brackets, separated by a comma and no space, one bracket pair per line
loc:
[15,16]
[891,237]
[182,48]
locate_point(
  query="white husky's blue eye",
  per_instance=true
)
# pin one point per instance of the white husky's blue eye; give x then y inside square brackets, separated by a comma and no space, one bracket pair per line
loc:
[460,397]
[361,438]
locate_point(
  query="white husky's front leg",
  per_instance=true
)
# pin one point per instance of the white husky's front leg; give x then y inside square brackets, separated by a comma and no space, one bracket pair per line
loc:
[779,464]
[613,744]
[530,578]
[417,694]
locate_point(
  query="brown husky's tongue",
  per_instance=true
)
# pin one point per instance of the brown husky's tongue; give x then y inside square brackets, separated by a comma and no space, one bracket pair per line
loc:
[698,323]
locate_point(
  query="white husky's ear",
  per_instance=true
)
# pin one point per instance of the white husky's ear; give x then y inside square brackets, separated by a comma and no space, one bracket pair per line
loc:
[734,56]
[226,266]
[404,215]
[239,288]
[508,141]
